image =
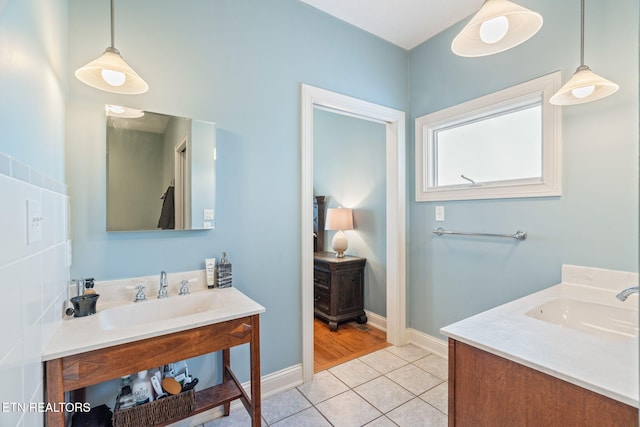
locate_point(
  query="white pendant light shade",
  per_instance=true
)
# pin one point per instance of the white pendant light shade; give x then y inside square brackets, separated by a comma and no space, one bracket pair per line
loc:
[584,86]
[499,25]
[110,73]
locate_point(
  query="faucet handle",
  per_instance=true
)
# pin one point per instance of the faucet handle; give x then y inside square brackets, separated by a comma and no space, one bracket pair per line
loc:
[140,296]
[184,288]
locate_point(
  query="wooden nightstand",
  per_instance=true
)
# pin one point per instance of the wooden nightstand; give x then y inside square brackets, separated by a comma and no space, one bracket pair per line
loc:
[338,288]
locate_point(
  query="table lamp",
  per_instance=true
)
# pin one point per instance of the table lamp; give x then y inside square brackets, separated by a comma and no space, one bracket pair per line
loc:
[339,219]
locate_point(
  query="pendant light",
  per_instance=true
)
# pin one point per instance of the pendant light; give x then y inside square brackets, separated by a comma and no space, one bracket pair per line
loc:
[110,73]
[499,25]
[585,85]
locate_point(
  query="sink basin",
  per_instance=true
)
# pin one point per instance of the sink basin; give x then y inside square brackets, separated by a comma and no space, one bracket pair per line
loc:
[598,319]
[156,310]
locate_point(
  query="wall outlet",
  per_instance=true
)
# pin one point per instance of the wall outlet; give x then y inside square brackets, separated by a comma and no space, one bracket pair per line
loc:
[34,222]
[207,225]
[207,214]
[439,213]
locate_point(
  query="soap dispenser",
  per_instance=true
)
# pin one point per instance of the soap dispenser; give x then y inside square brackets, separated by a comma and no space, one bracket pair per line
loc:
[224,272]
[141,388]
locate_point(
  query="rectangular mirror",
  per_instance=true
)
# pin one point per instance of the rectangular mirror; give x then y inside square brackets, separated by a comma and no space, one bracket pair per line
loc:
[160,171]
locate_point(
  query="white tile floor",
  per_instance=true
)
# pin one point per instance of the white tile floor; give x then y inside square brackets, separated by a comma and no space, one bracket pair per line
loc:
[397,386]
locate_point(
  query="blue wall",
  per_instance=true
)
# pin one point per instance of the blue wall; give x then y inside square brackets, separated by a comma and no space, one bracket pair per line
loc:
[33,84]
[349,169]
[594,222]
[238,64]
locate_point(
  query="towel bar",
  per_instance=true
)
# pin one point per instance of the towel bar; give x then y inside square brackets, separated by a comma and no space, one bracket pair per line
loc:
[518,235]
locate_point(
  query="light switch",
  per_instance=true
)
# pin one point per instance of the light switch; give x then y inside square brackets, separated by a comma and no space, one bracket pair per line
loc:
[34,222]
[207,214]
[439,213]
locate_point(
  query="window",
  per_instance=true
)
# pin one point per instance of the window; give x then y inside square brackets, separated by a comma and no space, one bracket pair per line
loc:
[503,145]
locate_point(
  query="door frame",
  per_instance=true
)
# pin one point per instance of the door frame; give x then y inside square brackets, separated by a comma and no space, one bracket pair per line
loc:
[394,121]
[180,173]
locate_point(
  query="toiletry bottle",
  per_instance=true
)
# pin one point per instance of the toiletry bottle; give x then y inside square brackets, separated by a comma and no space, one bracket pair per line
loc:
[142,388]
[125,385]
[224,272]
[125,398]
[88,286]
[210,267]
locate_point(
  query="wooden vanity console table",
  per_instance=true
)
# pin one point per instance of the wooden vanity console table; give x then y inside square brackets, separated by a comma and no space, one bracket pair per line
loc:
[78,371]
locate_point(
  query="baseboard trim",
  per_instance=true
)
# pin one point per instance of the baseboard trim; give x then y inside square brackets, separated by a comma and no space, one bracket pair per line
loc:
[432,344]
[270,384]
[412,336]
[375,320]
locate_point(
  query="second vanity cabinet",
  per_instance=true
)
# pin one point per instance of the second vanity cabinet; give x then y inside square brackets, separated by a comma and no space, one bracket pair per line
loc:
[338,288]
[486,390]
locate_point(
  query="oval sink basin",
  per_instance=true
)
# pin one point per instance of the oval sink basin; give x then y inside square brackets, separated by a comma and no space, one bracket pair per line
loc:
[155,310]
[598,319]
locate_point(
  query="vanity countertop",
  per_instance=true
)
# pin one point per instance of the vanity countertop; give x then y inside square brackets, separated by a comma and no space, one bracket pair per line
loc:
[605,365]
[82,334]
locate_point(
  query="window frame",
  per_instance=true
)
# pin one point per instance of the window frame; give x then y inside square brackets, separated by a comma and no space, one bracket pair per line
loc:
[512,98]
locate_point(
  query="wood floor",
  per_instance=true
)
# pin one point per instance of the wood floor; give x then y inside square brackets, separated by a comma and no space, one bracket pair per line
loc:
[350,341]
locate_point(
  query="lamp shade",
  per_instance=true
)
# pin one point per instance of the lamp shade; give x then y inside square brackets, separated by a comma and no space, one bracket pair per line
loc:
[110,73]
[499,25]
[584,86]
[339,219]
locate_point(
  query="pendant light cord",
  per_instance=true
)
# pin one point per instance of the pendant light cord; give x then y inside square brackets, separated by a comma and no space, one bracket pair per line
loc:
[112,37]
[581,32]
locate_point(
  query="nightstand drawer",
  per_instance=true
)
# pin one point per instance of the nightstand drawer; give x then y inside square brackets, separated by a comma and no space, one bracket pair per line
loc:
[321,299]
[321,280]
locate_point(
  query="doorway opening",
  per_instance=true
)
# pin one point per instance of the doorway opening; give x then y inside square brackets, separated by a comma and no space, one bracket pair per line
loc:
[349,156]
[394,122]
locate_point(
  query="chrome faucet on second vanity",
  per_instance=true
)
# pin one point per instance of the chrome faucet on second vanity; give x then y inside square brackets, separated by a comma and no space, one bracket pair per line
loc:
[624,294]
[164,284]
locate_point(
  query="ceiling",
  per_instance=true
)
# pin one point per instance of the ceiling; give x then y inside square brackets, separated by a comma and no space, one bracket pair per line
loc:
[405,23]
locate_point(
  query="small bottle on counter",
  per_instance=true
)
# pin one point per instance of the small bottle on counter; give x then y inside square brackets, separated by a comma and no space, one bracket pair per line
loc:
[141,388]
[210,268]
[224,272]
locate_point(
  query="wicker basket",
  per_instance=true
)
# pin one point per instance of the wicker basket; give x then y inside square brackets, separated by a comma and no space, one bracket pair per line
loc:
[157,412]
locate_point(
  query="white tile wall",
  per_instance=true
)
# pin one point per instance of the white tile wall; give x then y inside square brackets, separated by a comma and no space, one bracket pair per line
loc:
[33,281]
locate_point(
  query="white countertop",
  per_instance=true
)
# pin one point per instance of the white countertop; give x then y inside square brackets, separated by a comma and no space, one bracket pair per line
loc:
[81,334]
[608,366]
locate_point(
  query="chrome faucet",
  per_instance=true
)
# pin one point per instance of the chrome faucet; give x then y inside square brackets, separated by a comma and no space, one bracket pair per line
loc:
[162,292]
[624,294]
